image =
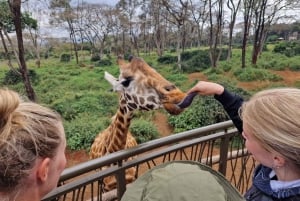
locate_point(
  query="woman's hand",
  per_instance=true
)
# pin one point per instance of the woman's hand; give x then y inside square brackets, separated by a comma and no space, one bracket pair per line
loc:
[207,88]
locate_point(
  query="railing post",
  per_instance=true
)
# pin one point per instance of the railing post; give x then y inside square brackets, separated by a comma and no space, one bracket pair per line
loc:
[224,154]
[121,180]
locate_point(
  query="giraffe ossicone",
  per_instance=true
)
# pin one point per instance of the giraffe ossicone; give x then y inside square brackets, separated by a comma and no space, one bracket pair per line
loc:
[140,87]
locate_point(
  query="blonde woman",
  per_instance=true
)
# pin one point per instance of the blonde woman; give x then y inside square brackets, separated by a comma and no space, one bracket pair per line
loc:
[32,145]
[270,124]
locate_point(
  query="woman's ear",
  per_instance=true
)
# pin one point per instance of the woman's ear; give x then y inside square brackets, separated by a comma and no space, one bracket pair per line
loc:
[278,161]
[43,169]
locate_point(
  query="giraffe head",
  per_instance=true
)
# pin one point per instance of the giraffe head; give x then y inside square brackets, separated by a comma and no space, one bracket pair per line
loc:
[142,88]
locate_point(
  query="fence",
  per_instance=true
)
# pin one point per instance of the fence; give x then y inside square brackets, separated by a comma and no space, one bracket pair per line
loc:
[219,146]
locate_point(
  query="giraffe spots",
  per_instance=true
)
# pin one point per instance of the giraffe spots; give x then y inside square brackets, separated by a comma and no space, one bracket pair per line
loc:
[123,110]
[121,119]
[144,108]
[150,106]
[142,100]
[123,102]
[135,99]
[128,97]
[132,106]
[151,99]
[119,126]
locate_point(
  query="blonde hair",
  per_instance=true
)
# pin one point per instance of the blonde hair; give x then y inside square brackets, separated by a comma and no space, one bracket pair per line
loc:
[273,117]
[27,131]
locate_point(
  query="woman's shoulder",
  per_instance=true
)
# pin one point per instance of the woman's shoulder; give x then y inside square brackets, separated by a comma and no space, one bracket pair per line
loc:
[261,189]
[254,194]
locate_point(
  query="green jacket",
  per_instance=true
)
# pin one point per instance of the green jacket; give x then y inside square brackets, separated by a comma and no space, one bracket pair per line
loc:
[181,181]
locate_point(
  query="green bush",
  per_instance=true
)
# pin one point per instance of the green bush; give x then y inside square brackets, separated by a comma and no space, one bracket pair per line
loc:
[104,62]
[95,57]
[189,54]
[143,130]
[192,61]
[294,65]
[203,111]
[253,74]
[14,76]
[177,79]
[195,61]
[274,64]
[226,67]
[167,59]
[73,105]
[81,131]
[65,57]
[289,49]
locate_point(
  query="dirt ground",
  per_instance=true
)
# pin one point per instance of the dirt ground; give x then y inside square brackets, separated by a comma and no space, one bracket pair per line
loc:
[160,119]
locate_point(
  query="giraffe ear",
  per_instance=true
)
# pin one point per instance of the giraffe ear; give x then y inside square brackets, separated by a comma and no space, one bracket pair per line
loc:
[112,80]
[121,61]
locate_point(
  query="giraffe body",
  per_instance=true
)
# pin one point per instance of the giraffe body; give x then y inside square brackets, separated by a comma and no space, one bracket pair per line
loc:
[140,88]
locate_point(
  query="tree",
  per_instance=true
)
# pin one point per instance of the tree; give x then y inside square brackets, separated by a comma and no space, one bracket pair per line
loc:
[199,14]
[265,13]
[15,8]
[154,12]
[216,18]
[129,16]
[63,12]
[33,27]
[247,13]
[6,25]
[234,8]
[178,16]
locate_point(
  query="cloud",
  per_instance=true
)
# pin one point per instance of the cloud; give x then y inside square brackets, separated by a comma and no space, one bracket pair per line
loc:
[108,2]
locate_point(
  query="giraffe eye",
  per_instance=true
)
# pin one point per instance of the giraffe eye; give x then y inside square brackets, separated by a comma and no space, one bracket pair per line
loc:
[127,81]
[170,87]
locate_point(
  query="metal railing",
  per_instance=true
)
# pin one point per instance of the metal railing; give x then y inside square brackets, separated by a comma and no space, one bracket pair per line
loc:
[219,146]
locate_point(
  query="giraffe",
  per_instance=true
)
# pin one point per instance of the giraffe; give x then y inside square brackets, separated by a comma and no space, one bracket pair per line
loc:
[140,88]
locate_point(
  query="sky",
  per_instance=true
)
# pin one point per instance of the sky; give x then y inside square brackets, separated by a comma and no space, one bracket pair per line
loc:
[109,2]
[40,13]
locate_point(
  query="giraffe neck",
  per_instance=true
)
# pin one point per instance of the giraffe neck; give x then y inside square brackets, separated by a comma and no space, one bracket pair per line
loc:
[119,129]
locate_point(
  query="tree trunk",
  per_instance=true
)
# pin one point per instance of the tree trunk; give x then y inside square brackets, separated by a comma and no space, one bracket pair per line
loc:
[73,39]
[244,47]
[7,54]
[215,33]
[248,7]
[15,7]
[178,52]
[229,53]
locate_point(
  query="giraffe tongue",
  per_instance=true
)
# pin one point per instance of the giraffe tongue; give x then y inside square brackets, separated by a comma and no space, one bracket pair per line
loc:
[187,101]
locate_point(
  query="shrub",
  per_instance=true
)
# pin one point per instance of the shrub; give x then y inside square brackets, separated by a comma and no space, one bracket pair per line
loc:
[289,49]
[143,130]
[253,74]
[177,79]
[104,62]
[81,131]
[73,105]
[167,59]
[65,57]
[294,65]
[14,76]
[95,57]
[189,54]
[226,67]
[203,111]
